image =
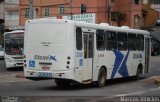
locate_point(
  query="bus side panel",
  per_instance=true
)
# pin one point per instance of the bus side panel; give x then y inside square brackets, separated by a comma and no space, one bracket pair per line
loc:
[123,63]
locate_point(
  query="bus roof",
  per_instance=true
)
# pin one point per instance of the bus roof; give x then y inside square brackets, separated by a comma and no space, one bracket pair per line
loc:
[91,25]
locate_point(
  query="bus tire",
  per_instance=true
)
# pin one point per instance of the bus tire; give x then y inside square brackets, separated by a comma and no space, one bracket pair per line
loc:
[101,78]
[62,82]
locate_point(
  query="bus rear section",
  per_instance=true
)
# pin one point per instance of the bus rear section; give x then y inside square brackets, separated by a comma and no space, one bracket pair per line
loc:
[46,50]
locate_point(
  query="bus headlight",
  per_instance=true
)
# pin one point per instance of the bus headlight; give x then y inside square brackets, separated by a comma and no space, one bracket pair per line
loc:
[10,60]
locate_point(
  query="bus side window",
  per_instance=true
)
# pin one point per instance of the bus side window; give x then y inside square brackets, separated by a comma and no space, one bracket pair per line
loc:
[111,40]
[100,40]
[79,38]
[132,42]
[140,42]
[122,41]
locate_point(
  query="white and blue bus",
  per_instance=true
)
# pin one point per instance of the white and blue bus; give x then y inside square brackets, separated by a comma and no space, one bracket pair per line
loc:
[13,48]
[72,51]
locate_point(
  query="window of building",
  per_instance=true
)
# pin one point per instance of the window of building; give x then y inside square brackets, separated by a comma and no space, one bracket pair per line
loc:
[154,1]
[113,1]
[83,8]
[46,11]
[122,41]
[136,21]
[113,16]
[132,41]
[26,13]
[140,42]
[111,40]
[100,37]
[136,1]
[61,9]
[79,38]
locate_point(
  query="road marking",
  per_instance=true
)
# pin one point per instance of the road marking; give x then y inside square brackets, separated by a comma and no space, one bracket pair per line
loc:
[134,93]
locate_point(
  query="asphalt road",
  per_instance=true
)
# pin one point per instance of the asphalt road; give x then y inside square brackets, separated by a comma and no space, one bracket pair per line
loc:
[46,91]
[4,71]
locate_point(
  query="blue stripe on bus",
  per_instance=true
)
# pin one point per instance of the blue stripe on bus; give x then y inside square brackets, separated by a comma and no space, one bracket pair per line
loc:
[122,70]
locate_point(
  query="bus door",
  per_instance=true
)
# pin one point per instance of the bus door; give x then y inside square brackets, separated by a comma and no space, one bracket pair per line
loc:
[147,54]
[88,43]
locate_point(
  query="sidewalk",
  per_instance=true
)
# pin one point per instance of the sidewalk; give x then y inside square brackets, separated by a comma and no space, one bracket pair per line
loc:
[157,80]
[153,79]
[20,75]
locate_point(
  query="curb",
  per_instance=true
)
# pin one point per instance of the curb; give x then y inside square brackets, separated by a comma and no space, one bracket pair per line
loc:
[157,81]
[150,79]
[20,75]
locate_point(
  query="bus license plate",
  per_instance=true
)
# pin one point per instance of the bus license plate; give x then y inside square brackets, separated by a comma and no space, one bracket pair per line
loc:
[45,74]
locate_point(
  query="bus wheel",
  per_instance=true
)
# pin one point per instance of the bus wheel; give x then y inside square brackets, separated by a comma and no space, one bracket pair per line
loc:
[62,82]
[101,78]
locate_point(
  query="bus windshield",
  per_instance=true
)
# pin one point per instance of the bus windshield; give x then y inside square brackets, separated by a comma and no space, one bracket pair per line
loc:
[14,43]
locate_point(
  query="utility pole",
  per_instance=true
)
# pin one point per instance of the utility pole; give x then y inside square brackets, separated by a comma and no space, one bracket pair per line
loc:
[30,9]
[129,12]
[109,11]
[71,8]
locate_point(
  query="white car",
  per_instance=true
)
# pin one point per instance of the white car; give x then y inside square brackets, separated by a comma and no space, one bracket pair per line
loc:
[1,53]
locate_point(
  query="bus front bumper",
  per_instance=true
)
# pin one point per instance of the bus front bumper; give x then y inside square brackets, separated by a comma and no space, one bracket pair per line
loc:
[13,65]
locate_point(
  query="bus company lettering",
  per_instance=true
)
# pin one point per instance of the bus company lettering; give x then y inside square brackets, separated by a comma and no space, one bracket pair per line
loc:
[137,56]
[49,57]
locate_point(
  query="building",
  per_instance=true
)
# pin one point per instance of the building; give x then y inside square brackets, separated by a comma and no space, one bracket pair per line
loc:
[133,13]
[1,20]
[93,11]
[1,16]
[155,4]
[136,14]
[12,15]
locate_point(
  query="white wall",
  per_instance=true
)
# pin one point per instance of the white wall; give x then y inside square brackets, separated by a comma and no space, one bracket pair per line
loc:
[145,2]
[1,10]
[12,1]
[11,14]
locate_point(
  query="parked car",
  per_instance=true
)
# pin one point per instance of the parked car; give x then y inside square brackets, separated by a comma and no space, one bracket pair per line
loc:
[1,53]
